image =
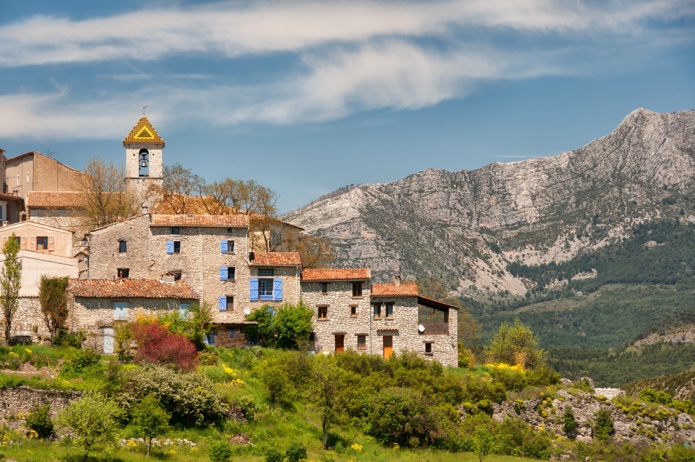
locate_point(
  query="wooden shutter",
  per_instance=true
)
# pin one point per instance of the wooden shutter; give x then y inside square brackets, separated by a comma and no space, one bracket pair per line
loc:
[222,303]
[224,275]
[170,247]
[32,244]
[50,242]
[277,289]
[254,289]
[223,246]
[23,244]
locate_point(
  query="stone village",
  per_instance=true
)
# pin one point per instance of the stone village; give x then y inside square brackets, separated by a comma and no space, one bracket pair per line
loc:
[156,261]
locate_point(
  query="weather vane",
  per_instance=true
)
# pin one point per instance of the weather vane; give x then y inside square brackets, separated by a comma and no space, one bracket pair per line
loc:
[143,109]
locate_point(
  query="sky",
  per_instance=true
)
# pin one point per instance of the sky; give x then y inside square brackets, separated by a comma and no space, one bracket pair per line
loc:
[308,96]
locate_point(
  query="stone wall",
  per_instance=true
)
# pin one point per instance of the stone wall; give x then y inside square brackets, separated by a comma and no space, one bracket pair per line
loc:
[60,218]
[20,401]
[28,321]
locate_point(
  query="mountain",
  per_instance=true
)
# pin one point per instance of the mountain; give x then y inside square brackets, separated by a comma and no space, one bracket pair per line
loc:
[467,228]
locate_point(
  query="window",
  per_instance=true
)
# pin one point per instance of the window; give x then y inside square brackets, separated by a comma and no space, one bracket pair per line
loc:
[323,312]
[227,273]
[356,289]
[389,310]
[324,287]
[230,230]
[42,243]
[232,333]
[123,273]
[266,272]
[211,337]
[353,311]
[173,247]
[265,288]
[361,342]
[175,230]
[227,246]
[120,311]
[177,275]
[377,310]
[122,246]
[184,310]
[230,303]
[144,163]
[428,348]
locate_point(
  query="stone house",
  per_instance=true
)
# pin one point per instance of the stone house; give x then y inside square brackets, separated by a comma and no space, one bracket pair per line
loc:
[97,306]
[62,209]
[32,171]
[382,319]
[43,250]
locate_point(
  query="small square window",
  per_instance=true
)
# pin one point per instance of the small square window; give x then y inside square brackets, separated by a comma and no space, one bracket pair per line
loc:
[266,272]
[428,348]
[389,310]
[230,230]
[231,273]
[123,273]
[230,246]
[120,311]
[230,303]
[177,246]
[324,287]
[356,289]
[232,333]
[184,310]
[353,311]
[122,246]
[42,243]
[361,342]
[175,230]
[323,312]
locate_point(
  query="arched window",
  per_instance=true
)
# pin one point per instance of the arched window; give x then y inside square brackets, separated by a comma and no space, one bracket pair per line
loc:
[144,163]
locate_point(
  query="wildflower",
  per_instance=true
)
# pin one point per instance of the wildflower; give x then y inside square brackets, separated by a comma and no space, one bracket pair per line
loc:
[32,434]
[28,351]
[396,446]
[356,447]
[13,354]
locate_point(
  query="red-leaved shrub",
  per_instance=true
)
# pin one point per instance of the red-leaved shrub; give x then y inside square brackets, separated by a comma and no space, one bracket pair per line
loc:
[156,345]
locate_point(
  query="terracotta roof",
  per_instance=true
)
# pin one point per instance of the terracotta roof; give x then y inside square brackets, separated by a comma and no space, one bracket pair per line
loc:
[11,197]
[392,290]
[209,221]
[129,288]
[143,133]
[55,200]
[335,274]
[276,259]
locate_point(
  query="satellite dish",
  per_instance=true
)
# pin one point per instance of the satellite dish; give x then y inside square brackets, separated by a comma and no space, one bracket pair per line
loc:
[247,310]
[421,328]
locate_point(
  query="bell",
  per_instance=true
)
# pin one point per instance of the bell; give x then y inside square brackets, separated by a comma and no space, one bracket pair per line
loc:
[143,163]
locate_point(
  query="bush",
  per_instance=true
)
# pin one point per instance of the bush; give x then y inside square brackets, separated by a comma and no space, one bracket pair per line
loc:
[220,452]
[71,339]
[156,345]
[569,424]
[295,452]
[288,325]
[150,419]
[39,420]
[273,455]
[85,362]
[603,428]
[189,397]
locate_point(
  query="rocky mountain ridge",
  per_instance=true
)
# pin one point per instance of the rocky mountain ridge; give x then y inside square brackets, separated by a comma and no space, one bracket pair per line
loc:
[464,227]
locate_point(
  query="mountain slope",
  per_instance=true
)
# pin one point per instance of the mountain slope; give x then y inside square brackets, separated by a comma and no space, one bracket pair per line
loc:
[465,227]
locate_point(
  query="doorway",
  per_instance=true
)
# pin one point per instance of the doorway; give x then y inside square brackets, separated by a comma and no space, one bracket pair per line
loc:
[108,341]
[339,343]
[388,346]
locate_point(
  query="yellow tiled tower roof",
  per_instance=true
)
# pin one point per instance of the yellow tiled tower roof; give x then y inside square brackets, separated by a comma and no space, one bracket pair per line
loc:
[143,133]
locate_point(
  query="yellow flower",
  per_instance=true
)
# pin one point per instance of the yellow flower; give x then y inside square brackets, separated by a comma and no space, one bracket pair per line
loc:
[32,434]
[396,446]
[171,452]
[28,350]
[356,447]
[13,354]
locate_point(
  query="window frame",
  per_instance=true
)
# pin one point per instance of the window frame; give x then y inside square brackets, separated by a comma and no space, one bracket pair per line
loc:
[122,246]
[38,240]
[177,247]
[265,288]
[266,272]
[175,230]
[122,273]
[229,302]
[388,311]
[356,288]
[363,339]
[353,311]
[429,348]
[376,310]
[120,315]
[324,287]
[322,312]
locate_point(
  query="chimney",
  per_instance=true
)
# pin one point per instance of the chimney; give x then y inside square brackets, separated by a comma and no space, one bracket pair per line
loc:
[397,280]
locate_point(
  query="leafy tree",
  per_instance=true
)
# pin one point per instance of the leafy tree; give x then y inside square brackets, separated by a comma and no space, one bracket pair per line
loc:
[10,282]
[194,326]
[283,328]
[569,423]
[483,443]
[91,423]
[156,345]
[106,197]
[150,419]
[54,303]
[327,377]
[220,452]
[179,187]
[516,344]
[603,428]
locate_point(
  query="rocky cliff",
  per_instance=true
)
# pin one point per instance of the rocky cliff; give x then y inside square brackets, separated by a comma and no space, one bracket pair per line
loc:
[464,227]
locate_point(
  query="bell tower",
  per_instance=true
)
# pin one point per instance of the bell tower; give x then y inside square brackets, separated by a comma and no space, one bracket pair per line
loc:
[143,162]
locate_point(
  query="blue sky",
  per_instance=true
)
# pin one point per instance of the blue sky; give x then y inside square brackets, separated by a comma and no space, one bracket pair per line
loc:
[309,96]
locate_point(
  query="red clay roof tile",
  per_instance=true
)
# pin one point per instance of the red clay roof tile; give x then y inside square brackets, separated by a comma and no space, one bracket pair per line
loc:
[392,290]
[143,133]
[276,259]
[130,288]
[208,221]
[335,274]
[55,200]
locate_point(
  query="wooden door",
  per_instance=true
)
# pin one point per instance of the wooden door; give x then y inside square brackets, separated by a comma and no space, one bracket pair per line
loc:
[108,346]
[388,346]
[339,343]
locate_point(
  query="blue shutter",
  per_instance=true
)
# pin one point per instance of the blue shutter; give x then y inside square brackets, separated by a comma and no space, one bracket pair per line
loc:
[222,303]
[277,289]
[223,273]
[254,289]
[223,247]
[170,247]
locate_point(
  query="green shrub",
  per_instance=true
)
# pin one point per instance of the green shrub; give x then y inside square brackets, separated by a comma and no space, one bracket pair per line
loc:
[189,397]
[681,453]
[603,428]
[208,357]
[71,339]
[273,455]
[220,452]
[569,424]
[84,362]
[246,405]
[39,420]
[296,452]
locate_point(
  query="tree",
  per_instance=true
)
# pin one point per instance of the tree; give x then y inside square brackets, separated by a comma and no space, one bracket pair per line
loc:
[282,328]
[106,196]
[150,419]
[90,423]
[327,377]
[483,443]
[156,345]
[10,282]
[516,344]
[603,428]
[194,326]
[569,423]
[179,189]
[54,303]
